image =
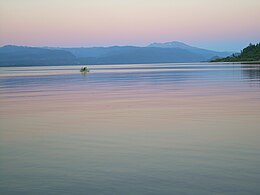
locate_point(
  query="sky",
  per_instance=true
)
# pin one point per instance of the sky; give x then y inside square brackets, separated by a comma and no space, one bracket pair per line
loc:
[223,25]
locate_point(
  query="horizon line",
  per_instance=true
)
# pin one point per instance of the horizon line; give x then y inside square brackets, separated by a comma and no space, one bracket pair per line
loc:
[119,45]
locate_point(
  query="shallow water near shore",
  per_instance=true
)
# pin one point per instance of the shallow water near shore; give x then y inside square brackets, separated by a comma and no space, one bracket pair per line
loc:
[130,129]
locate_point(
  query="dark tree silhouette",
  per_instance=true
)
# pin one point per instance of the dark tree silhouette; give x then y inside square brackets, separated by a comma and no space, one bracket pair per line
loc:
[250,53]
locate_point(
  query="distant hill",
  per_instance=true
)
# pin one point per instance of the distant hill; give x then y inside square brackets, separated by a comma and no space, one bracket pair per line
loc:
[250,53]
[155,53]
[207,54]
[29,56]
[139,55]
[173,44]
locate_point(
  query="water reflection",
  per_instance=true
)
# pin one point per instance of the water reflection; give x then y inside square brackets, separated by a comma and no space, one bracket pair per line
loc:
[251,72]
[139,129]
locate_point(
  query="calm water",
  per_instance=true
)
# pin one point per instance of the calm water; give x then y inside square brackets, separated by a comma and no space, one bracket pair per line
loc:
[130,129]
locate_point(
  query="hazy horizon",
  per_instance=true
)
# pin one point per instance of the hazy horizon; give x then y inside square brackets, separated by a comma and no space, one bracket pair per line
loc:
[216,25]
[128,45]
[106,46]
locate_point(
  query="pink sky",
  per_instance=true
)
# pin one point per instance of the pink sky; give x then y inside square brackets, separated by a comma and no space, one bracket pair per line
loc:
[213,24]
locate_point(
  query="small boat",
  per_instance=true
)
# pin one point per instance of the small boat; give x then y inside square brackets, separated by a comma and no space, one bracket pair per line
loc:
[84,69]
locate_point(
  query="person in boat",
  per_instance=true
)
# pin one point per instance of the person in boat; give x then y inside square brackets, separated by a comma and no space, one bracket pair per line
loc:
[84,69]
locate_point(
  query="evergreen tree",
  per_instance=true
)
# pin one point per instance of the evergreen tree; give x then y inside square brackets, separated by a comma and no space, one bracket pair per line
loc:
[250,53]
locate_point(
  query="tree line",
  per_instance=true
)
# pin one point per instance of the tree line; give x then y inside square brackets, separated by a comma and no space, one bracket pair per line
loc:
[250,53]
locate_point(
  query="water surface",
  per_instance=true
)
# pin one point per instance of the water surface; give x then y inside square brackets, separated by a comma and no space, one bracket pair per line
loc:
[130,129]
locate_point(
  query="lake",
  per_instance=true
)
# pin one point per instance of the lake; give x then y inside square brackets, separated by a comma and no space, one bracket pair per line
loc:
[130,129]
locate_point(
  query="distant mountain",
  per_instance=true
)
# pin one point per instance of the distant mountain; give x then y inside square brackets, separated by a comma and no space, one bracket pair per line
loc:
[207,54]
[29,56]
[155,53]
[139,55]
[173,44]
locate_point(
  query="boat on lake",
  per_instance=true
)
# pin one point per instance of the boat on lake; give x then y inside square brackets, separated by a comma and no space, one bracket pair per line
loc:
[84,69]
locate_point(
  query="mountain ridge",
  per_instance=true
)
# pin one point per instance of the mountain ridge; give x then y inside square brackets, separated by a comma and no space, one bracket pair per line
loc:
[177,44]
[170,52]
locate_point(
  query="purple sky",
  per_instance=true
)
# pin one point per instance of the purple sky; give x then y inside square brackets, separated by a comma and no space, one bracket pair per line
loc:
[213,24]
